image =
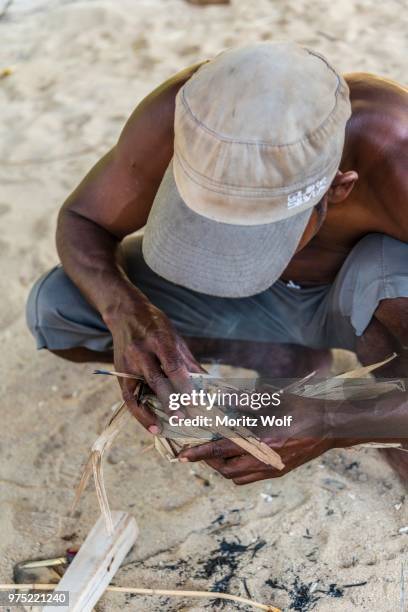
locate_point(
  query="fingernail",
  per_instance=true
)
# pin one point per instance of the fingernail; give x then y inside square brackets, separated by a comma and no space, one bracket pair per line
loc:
[154,430]
[183,460]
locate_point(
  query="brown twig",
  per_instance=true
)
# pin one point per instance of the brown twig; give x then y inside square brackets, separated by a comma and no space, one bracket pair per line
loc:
[159,592]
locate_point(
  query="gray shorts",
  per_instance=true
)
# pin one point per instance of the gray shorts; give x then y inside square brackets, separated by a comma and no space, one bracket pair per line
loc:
[327,316]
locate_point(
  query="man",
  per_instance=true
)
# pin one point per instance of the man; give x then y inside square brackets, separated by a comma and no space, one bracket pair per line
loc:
[275,204]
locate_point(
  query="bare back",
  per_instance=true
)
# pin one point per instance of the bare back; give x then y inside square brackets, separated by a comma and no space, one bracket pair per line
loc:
[375,147]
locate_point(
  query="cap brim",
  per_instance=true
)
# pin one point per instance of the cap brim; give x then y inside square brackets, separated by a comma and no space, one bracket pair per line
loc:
[215,258]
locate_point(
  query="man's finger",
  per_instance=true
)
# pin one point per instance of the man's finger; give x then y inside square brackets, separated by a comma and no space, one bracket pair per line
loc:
[190,361]
[221,466]
[243,480]
[242,466]
[212,450]
[175,368]
[193,366]
[157,380]
[217,465]
[140,412]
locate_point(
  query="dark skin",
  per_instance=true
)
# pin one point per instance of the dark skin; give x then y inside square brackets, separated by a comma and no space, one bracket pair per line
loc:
[368,194]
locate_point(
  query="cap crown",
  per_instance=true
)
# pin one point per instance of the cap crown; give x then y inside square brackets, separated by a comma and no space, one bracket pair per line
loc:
[259,133]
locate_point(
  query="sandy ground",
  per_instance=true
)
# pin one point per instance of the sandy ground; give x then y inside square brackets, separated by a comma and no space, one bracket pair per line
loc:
[78,69]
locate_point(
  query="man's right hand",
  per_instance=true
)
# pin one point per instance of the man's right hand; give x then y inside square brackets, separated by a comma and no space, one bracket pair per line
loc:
[145,343]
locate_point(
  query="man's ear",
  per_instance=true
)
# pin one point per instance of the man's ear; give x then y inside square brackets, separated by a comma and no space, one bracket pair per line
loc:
[341,186]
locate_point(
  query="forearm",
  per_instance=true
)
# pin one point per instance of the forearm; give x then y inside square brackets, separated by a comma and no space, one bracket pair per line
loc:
[91,258]
[384,419]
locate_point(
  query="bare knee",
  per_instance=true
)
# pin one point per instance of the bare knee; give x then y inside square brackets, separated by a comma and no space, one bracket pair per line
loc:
[387,333]
[393,314]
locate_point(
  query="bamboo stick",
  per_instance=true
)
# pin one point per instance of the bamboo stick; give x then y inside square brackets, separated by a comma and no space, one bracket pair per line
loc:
[96,563]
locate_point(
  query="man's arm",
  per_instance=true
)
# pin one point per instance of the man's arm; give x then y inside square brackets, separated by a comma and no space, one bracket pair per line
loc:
[112,201]
[317,426]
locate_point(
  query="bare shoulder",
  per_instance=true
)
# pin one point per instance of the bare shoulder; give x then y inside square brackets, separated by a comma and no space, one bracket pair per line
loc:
[378,137]
[118,192]
[380,103]
[151,125]
[363,84]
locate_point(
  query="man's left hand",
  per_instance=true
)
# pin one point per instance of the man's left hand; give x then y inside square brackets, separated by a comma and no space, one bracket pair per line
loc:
[306,438]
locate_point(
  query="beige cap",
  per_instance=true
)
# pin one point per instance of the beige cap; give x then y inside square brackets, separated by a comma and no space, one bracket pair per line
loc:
[259,135]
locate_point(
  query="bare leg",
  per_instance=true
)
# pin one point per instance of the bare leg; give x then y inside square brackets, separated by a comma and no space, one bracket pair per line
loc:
[267,359]
[386,334]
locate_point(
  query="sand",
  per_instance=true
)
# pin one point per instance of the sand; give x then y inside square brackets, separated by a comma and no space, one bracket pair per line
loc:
[77,71]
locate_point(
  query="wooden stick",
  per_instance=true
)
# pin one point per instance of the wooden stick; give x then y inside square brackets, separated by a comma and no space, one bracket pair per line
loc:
[160,592]
[142,379]
[259,450]
[96,563]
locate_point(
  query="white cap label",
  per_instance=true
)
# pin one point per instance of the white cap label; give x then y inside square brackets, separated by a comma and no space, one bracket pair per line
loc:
[305,195]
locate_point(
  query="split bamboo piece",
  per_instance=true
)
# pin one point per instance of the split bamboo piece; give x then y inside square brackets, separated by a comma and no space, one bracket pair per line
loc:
[330,389]
[241,436]
[94,464]
[349,385]
[167,448]
[96,563]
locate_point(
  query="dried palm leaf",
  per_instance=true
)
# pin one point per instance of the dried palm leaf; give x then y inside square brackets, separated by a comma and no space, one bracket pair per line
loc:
[94,463]
[339,387]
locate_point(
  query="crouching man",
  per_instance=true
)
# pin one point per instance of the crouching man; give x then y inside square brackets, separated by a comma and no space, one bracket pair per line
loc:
[274,200]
